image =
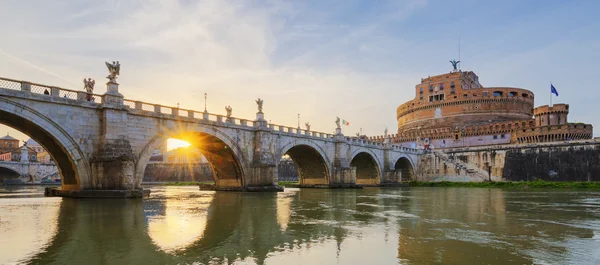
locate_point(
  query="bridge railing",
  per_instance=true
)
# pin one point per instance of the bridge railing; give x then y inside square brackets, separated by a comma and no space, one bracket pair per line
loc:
[53,91]
[75,95]
[186,113]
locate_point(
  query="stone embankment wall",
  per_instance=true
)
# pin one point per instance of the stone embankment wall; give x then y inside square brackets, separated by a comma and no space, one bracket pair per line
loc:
[558,161]
[179,172]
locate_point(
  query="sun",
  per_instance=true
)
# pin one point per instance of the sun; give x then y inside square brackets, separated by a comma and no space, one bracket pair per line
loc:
[173,143]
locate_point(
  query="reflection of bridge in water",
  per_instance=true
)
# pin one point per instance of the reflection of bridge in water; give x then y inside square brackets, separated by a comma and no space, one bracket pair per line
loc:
[416,226]
[235,226]
[105,143]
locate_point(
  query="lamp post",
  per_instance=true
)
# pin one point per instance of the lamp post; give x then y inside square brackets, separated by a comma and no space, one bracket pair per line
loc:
[298,120]
[205,101]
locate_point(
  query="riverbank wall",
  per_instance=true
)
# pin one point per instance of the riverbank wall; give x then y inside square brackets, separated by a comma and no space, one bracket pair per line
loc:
[556,161]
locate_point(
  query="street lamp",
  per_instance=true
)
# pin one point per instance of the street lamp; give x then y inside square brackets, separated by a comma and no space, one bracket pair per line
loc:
[205,101]
[298,120]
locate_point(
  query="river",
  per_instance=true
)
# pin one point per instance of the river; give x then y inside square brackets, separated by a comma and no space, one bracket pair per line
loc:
[182,225]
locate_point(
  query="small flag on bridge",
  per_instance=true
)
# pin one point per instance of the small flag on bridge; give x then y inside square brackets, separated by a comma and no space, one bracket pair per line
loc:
[553,90]
[345,122]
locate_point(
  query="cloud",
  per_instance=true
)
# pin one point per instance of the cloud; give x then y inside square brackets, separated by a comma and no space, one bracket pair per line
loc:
[355,59]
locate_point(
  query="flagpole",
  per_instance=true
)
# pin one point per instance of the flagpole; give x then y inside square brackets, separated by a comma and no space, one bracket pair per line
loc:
[550,94]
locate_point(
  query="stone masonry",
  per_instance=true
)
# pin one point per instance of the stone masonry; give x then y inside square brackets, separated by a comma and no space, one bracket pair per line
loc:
[106,143]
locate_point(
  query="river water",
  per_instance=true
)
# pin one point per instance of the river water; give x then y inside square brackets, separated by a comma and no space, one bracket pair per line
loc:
[182,225]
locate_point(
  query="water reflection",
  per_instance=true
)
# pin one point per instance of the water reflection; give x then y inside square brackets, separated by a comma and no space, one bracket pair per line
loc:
[179,221]
[181,225]
[36,215]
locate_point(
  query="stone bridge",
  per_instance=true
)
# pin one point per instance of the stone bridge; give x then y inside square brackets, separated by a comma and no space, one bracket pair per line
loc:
[105,143]
[27,171]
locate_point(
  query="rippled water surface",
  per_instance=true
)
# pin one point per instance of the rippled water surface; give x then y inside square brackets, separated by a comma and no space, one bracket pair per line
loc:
[182,225]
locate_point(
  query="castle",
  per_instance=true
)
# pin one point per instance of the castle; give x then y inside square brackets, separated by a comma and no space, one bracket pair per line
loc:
[455,110]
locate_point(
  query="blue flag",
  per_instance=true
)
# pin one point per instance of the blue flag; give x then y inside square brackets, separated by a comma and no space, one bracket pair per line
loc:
[553,90]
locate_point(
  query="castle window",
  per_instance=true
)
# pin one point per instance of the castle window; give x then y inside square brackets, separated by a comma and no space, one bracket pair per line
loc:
[502,136]
[525,95]
[452,91]
[442,86]
[452,84]
[465,95]
[512,94]
[485,94]
[474,95]
[497,93]
[421,90]
[495,137]
[430,88]
[421,97]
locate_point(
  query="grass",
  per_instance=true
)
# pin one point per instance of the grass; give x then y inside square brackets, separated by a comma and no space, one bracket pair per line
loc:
[512,184]
[289,184]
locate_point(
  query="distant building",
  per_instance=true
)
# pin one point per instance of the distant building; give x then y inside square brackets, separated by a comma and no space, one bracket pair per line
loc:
[455,110]
[16,155]
[8,143]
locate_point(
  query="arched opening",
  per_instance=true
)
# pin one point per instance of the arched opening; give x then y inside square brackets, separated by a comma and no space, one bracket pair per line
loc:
[40,132]
[178,161]
[404,169]
[223,160]
[310,165]
[367,172]
[9,176]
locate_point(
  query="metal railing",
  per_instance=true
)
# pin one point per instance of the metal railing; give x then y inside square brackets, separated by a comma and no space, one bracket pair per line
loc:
[53,91]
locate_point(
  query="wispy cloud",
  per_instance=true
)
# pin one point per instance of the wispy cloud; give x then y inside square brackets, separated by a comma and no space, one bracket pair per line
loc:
[356,59]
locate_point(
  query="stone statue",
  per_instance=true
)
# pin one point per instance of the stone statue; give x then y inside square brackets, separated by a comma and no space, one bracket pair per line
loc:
[357,134]
[228,109]
[455,64]
[307,126]
[113,70]
[260,104]
[24,143]
[337,122]
[385,133]
[88,85]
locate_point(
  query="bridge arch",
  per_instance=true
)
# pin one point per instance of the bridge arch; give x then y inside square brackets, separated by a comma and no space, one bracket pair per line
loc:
[406,167]
[72,164]
[311,161]
[368,168]
[9,172]
[228,161]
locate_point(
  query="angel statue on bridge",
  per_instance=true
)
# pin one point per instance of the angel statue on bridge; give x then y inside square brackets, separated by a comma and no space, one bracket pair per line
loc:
[260,105]
[113,70]
[88,85]
[228,109]
[337,122]
[307,126]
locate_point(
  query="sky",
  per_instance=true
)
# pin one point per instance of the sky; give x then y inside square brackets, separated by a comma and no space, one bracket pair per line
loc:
[357,60]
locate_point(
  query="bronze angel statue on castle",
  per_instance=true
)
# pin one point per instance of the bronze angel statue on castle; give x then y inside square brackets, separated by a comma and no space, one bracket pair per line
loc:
[113,70]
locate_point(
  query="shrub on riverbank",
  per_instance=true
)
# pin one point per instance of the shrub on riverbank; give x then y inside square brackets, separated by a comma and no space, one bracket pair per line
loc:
[511,184]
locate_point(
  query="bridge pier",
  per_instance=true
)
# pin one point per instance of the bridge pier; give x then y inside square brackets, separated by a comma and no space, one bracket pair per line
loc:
[343,174]
[263,175]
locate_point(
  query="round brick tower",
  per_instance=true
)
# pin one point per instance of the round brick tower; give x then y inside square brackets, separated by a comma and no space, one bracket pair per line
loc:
[457,100]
